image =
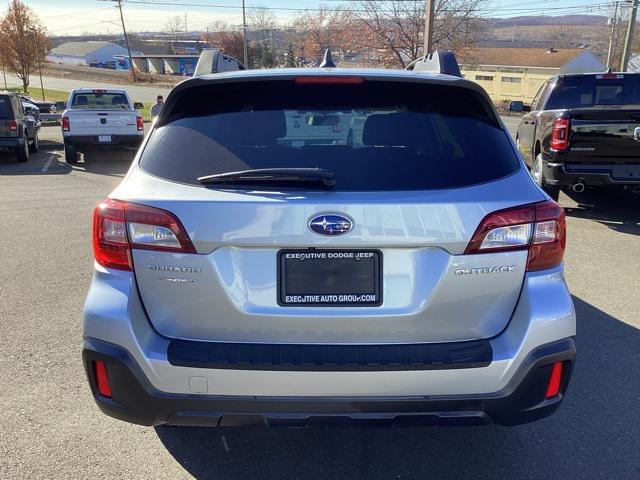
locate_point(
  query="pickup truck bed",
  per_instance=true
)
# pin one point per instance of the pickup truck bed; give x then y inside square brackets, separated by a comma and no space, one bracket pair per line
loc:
[584,131]
[100,118]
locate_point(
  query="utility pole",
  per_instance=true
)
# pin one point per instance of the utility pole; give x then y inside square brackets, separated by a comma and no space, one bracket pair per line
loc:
[244,36]
[35,41]
[626,53]
[612,36]
[428,26]
[4,75]
[185,23]
[126,40]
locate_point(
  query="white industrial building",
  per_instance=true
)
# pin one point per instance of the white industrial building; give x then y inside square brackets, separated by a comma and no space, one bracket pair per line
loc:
[85,53]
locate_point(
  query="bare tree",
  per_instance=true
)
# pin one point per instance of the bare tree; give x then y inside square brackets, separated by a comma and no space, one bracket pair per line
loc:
[263,22]
[174,24]
[394,29]
[20,32]
[318,30]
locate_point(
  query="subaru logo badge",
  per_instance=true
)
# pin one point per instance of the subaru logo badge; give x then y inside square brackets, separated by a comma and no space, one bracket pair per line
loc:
[330,224]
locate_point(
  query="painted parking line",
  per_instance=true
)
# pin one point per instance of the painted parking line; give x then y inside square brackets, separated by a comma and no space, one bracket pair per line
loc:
[49,162]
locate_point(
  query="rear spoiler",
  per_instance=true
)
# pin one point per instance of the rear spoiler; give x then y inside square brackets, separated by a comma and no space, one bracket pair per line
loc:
[437,62]
[214,61]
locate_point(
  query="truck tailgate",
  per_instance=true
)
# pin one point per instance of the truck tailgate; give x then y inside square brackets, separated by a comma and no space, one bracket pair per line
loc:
[601,136]
[99,122]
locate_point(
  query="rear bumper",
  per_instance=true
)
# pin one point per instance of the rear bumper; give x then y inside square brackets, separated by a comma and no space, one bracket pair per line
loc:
[135,400]
[93,140]
[563,175]
[11,142]
[155,383]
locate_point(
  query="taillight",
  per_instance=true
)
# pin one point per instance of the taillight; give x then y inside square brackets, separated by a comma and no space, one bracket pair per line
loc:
[119,227]
[65,124]
[102,379]
[560,135]
[140,124]
[539,228]
[12,125]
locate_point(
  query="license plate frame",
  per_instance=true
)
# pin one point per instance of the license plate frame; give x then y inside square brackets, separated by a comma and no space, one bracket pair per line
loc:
[344,299]
[104,138]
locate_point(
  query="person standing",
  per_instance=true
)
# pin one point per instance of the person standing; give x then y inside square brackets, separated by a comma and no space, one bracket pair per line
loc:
[156,107]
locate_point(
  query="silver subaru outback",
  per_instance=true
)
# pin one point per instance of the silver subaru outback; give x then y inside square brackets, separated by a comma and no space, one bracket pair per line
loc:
[406,271]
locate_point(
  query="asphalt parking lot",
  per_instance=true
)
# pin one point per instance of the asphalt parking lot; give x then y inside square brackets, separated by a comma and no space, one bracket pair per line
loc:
[50,427]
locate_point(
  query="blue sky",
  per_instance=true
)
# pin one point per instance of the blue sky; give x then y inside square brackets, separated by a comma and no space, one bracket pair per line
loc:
[63,17]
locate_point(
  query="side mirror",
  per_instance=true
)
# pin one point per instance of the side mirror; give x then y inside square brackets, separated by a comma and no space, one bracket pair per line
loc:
[516,106]
[138,105]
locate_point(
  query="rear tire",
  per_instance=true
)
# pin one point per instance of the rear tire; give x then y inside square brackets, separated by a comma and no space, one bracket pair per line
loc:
[70,154]
[34,146]
[537,172]
[22,152]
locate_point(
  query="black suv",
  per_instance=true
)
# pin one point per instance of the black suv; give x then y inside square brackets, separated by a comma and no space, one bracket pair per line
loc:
[583,130]
[17,132]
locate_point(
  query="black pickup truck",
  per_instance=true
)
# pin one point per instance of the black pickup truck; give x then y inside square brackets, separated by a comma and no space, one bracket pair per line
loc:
[583,130]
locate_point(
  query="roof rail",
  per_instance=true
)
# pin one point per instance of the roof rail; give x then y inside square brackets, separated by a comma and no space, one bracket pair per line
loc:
[437,62]
[212,60]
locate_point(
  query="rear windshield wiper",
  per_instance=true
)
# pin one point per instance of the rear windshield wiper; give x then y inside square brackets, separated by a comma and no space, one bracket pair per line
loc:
[265,176]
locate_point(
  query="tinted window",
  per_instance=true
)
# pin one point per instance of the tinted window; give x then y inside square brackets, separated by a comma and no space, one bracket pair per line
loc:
[595,90]
[101,101]
[5,107]
[374,136]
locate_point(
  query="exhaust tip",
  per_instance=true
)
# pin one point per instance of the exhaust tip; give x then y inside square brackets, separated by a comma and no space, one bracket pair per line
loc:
[578,187]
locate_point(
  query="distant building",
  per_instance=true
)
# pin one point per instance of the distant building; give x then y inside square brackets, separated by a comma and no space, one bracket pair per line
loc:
[183,65]
[86,53]
[517,73]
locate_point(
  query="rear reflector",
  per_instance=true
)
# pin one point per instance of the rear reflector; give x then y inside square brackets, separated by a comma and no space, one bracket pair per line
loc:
[538,227]
[333,80]
[560,135]
[65,124]
[553,388]
[102,380]
[120,226]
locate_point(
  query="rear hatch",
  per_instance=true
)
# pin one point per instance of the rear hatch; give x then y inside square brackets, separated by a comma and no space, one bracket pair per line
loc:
[8,127]
[377,257]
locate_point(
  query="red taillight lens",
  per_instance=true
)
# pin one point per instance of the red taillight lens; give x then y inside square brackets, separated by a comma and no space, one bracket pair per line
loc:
[65,124]
[119,226]
[555,379]
[539,228]
[140,124]
[560,135]
[102,380]
[549,237]
[12,125]
[335,80]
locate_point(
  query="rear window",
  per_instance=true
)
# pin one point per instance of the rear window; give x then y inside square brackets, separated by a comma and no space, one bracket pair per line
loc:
[5,107]
[374,136]
[102,101]
[594,91]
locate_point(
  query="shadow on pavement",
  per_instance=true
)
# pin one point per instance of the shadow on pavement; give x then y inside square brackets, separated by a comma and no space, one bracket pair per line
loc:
[593,435]
[113,163]
[617,210]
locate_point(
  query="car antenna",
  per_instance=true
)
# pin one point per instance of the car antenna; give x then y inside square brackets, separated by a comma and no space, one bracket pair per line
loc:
[327,61]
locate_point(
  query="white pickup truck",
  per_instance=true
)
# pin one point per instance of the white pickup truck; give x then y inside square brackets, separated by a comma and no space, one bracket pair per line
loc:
[99,118]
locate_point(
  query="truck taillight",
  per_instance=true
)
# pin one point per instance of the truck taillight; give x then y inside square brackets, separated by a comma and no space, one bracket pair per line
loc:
[65,124]
[539,228]
[560,135]
[119,227]
[12,125]
[140,124]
